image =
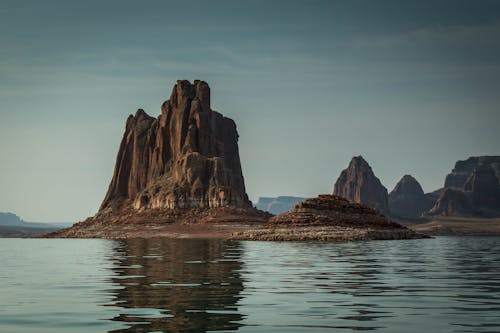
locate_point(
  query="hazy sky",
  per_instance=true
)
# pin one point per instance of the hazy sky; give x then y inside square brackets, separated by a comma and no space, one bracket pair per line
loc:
[411,86]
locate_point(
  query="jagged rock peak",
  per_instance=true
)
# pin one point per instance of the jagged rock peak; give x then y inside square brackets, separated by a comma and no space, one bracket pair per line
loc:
[186,158]
[407,199]
[408,185]
[358,183]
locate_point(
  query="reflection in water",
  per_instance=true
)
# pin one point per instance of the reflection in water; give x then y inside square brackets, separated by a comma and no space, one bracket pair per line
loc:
[177,285]
[445,284]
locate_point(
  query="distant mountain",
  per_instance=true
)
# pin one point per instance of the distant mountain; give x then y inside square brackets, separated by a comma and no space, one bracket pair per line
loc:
[12,220]
[278,205]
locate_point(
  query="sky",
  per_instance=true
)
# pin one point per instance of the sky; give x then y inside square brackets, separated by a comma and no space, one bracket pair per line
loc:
[412,86]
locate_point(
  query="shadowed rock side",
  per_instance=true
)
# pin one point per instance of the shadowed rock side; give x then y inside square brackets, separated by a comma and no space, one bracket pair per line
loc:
[331,218]
[408,200]
[464,169]
[186,158]
[479,196]
[358,183]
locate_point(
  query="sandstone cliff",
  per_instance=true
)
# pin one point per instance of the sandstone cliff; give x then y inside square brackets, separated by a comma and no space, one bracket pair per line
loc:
[186,158]
[358,183]
[408,200]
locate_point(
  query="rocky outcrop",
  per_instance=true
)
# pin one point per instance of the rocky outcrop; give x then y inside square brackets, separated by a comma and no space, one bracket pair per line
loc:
[452,203]
[478,195]
[484,188]
[464,169]
[186,158]
[408,200]
[358,183]
[277,205]
[332,218]
[329,209]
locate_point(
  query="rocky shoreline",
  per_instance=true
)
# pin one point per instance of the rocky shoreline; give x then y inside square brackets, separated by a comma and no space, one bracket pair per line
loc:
[324,218]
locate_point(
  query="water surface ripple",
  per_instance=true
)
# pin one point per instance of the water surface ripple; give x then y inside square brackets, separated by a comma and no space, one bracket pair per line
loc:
[445,284]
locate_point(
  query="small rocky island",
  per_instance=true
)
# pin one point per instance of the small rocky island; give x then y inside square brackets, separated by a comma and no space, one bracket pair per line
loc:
[329,218]
[179,175]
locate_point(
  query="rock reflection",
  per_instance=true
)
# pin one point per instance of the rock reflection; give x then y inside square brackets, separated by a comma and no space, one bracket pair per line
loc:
[177,285]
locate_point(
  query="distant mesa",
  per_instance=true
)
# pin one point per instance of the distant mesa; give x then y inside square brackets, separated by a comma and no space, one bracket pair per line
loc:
[408,200]
[359,184]
[471,189]
[10,219]
[278,205]
[464,169]
[12,225]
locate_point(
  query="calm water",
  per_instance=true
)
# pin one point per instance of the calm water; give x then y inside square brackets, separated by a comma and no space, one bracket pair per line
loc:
[446,284]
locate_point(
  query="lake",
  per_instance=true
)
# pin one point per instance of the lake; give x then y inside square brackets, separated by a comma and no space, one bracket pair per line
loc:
[445,284]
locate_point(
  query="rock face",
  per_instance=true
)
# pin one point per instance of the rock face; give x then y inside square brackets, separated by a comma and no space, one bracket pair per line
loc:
[408,200]
[186,158]
[452,203]
[477,195]
[464,169]
[277,205]
[358,183]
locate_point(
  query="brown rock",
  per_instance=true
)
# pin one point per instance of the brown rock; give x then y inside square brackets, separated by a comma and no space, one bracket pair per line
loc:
[452,202]
[328,218]
[186,158]
[358,183]
[329,209]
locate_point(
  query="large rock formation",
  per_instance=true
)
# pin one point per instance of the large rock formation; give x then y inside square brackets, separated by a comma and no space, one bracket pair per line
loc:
[408,200]
[186,158]
[277,205]
[358,183]
[477,195]
[464,169]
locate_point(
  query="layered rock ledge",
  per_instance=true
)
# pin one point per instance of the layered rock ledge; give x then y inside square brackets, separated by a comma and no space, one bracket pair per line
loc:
[329,218]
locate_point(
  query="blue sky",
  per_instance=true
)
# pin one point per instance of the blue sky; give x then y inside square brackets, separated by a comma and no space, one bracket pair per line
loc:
[411,86]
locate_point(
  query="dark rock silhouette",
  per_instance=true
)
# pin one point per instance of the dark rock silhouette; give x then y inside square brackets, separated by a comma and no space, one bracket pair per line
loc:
[408,200]
[477,195]
[464,169]
[186,158]
[277,205]
[358,183]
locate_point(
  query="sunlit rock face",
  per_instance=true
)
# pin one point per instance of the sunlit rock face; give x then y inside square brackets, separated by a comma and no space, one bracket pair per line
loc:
[186,158]
[358,183]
